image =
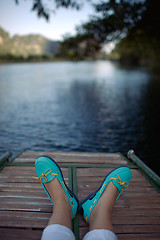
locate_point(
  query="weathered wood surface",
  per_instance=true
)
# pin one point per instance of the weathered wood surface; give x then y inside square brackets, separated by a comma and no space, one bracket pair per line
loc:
[25,208]
[77,158]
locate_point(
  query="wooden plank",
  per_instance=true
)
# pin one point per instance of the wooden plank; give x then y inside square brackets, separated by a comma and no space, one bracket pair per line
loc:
[15,174]
[82,158]
[23,199]
[129,229]
[36,154]
[19,170]
[19,219]
[148,236]
[129,220]
[21,187]
[27,215]
[25,206]
[22,222]
[22,194]
[14,234]
[136,212]
[130,236]
[137,228]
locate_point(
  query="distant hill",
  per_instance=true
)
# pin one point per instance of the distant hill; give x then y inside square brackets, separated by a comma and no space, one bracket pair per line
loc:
[26,45]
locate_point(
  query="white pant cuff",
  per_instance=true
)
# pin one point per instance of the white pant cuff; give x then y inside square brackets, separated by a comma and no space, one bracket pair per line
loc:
[100,234]
[57,231]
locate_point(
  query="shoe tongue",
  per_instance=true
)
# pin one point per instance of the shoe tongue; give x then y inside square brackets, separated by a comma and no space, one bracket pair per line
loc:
[118,186]
[49,178]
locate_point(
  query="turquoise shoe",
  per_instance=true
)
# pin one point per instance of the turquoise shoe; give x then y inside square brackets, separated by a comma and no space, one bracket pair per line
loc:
[120,177]
[47,169]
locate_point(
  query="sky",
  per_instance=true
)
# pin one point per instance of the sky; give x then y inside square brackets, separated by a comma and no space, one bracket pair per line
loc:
[19,19]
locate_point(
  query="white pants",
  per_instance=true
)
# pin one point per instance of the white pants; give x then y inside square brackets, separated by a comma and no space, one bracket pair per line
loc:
[59,232]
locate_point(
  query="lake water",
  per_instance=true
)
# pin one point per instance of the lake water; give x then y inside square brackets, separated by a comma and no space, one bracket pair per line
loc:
[80,106]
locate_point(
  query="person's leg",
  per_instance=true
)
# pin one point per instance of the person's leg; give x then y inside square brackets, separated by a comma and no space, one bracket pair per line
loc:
[60,223]
[62,213]
[97,207]
[100,219]
[101,216]
[64,200]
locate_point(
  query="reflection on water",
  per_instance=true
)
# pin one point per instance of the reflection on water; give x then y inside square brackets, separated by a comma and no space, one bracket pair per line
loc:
[84,106]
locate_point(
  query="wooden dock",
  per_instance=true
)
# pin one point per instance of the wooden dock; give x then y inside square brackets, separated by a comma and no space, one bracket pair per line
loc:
[25,208]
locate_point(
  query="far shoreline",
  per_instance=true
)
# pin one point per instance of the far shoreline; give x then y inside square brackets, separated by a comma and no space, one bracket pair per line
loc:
[150,68]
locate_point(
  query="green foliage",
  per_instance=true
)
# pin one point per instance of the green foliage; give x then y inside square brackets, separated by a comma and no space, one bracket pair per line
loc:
[133,22]
[138,48]
[26,45]
[4,35]
[79,47]
[40,7]
[142,43]
[115,18]
[18,58]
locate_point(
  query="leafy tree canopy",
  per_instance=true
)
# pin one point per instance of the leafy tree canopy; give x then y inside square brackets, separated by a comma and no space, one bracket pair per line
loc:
[132,20]
[42,10]
[115,17]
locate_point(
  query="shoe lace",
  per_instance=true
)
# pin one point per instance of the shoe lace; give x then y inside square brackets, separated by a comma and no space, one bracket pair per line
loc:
[44,175]
[120,181]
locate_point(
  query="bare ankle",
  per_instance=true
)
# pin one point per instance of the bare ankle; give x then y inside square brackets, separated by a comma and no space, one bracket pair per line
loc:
[58,195]
[62,212]
[101,216]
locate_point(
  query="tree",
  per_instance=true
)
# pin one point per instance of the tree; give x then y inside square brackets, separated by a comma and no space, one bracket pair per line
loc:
[40,6]
[114,20]
[79,47]
[141,45]
[135,21]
